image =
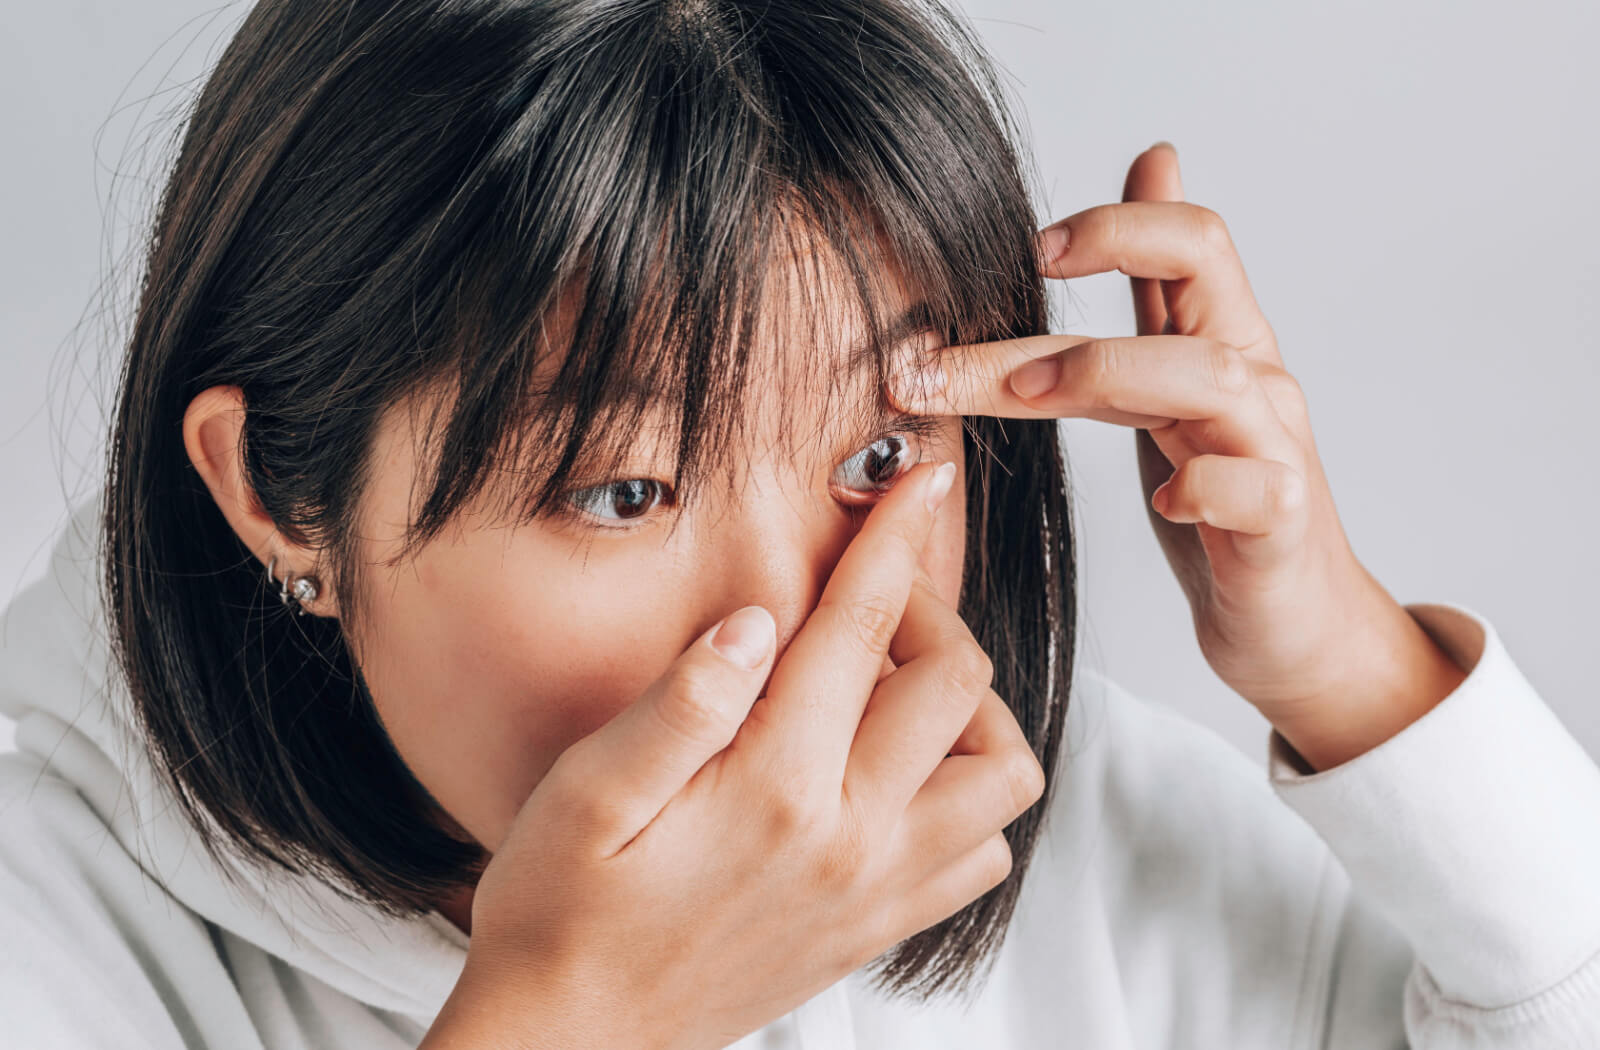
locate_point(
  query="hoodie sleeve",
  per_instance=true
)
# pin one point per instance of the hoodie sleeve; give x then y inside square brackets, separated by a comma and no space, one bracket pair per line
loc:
[1475,832]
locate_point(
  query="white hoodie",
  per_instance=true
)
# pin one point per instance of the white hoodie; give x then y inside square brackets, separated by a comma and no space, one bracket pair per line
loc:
[1179,897]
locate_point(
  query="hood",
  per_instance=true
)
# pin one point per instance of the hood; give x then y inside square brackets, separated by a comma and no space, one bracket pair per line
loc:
[58,684]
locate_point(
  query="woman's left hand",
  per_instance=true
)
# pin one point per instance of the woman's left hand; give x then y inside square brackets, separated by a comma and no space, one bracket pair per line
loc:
[1284,612]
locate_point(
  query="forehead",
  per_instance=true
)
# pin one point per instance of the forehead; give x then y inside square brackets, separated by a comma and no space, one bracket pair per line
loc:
[809,392]
[810,347]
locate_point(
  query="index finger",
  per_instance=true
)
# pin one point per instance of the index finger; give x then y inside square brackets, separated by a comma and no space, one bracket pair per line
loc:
[976,380]
[819,689]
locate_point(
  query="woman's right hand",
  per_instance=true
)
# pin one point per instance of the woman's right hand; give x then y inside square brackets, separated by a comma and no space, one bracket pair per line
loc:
[704,863]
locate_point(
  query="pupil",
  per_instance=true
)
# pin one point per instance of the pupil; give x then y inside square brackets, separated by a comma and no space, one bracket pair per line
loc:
[636,497]
[877,463]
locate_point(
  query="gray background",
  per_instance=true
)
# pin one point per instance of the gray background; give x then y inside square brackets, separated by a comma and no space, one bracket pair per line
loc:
[1411,187]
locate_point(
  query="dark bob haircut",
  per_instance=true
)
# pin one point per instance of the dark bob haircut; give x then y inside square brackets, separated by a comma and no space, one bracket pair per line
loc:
[380,199]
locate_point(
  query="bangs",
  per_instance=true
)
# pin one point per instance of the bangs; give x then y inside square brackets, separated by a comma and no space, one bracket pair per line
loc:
[553,230]
[645,245]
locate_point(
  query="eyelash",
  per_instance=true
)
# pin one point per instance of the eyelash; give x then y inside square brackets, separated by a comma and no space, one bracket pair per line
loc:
[572,501]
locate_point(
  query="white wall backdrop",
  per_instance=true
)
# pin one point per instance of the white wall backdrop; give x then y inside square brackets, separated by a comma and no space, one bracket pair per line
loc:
[1411,186]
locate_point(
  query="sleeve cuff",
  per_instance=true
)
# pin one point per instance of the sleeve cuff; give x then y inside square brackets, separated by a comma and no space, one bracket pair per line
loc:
[1475,830]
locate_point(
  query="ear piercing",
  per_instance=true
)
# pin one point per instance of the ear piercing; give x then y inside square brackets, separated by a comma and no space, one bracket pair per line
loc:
[304,587]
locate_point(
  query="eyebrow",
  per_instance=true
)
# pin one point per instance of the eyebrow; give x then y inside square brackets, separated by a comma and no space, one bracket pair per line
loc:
[909,322]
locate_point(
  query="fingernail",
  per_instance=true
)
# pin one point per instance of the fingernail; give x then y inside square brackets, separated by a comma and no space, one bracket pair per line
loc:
[1164,142]
[939,485]
[746,637]
[1161,498]
[919,386]
[1036,377]
[1054,241]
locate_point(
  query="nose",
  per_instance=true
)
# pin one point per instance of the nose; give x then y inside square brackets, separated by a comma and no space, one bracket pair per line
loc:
[780,555]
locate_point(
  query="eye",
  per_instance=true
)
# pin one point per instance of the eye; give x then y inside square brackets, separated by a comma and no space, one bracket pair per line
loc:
[616,502]
[876,468]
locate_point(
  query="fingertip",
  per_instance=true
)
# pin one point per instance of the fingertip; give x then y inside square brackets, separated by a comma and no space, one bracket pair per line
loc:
[939,485]
[918,386]
[746,637]
[1053,242]
[1161,498]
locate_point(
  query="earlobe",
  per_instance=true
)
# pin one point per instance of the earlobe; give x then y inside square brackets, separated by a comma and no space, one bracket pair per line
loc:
[212,427]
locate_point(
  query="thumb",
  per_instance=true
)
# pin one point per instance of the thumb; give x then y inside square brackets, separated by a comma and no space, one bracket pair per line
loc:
[644,755]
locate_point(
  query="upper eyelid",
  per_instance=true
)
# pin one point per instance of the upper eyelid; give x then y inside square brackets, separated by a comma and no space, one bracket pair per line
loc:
[893,422]
[897,423]
[913,422]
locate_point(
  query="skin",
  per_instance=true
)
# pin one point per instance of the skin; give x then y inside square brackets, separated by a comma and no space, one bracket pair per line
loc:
[1283,611]
[483,678]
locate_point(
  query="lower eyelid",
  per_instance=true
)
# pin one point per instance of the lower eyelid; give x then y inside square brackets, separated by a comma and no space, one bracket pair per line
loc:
[571,509]
[853,497]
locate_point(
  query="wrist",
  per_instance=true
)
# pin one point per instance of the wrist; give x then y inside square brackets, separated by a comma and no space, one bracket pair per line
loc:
[1397,677]
[489,1012]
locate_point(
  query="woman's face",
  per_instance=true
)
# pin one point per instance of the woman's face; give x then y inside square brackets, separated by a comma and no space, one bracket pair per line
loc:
[497,647]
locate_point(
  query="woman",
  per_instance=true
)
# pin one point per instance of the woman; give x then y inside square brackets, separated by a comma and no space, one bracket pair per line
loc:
[528,618]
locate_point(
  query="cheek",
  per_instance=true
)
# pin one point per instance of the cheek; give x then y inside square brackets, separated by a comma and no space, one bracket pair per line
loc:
[492,663]
[491,658]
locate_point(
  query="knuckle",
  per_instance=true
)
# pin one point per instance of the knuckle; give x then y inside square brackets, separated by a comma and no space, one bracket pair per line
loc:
[968,665]
[1231,374]
[1098,366]
[997,860]
[693,710]
[1287,492]
[1213,231]
[1108,217]
[587,814]
[1103,361]
[1210,432]
[571,791]
[1285,385]
[790,818]
[1026,779]
[1286,393]
[871,620]
[840,862]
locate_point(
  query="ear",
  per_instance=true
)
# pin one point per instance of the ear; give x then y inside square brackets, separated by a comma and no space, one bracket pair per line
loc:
[212,425]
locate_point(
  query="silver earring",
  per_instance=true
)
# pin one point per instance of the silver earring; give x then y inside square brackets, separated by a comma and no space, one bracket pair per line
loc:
[304,588]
